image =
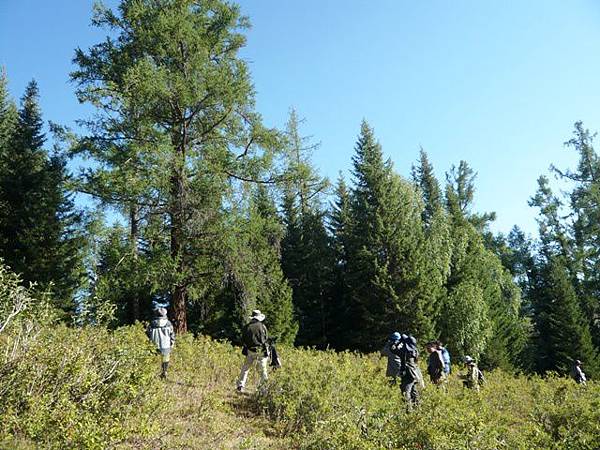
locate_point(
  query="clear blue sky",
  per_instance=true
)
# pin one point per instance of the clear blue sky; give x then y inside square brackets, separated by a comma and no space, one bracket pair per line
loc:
[498,84]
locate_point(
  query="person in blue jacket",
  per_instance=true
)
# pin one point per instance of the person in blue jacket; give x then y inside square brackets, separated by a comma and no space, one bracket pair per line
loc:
[445,357]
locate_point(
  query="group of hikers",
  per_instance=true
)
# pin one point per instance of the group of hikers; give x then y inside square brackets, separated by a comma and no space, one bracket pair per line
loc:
[402,364]
[400,349]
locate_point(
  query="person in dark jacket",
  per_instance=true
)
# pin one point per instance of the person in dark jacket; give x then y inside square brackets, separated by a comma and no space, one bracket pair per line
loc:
[255,338]
[577,373]
[435,364]
[161,333]
[394,362]
[411,378]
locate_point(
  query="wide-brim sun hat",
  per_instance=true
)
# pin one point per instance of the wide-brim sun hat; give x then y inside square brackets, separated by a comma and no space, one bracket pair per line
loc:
[256,314]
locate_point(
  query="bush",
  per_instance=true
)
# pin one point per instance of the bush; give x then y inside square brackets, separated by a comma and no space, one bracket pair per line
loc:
[328,400]
[78,388]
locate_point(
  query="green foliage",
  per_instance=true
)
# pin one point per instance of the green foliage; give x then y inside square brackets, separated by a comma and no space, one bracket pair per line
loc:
[306,254]
[563,332]
[39,236]
[124,280]
[84,388]
[385,266]
[175,132]
[253,274]
[326,400]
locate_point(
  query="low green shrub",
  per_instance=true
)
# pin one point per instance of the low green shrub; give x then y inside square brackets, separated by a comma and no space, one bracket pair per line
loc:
[78,388]
[328,400]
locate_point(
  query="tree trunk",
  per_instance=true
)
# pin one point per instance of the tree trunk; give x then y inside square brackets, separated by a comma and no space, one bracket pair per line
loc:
[179,309]
[133,236]
[177,213]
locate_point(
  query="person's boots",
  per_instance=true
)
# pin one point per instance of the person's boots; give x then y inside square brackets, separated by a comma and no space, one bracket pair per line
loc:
[163,374]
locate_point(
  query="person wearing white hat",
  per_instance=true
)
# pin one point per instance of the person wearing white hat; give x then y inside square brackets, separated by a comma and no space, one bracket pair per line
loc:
[160,332]
[474,378]
[255,348]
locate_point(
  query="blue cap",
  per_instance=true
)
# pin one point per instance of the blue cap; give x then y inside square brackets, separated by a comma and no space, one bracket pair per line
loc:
[395,336]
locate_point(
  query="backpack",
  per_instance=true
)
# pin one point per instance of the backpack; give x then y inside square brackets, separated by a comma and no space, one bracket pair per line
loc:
[409,345]
[446,359]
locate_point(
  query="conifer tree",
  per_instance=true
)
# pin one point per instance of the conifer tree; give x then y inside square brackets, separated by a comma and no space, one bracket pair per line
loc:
[169,85]
[306,252]
[386,258]
[425,179]
[438,243]
[8,114]
[584,204]
[254,278]
[39,226]
[8,125]
[563,334]
[340,228]
[482,300]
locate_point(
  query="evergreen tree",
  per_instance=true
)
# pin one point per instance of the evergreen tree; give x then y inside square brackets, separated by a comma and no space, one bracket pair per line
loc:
[8,125]
[306,253]
[562,332]
[438,244]
[584,202]
[8,114]
[340,228]
[39,226]
[170,87]
[386,257]
[254,278]
[426,181]
[120,282]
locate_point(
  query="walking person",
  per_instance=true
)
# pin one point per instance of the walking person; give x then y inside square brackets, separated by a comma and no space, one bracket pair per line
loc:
[255,339]
[410,375]
[445,357]
[577,373]
[474,378]
[394,361]
[161,333]
[435,364]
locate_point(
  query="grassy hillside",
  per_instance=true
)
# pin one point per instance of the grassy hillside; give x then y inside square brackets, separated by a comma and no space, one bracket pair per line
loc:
[91,388]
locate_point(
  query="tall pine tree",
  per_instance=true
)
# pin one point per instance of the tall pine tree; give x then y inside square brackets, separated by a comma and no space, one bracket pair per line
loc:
[306,252]
[169,84]
[385,256]
[38,222]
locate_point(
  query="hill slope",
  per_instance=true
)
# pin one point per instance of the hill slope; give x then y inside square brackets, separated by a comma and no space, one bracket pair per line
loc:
[94,388]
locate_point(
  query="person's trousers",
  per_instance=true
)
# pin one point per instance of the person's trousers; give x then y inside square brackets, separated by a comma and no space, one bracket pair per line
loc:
[410,390]
[165,354]
[253,358]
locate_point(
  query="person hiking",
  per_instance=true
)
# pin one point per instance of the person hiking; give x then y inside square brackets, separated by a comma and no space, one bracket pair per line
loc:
[435,364]
[445,357]
[411,379]
[255,339]
[394,362]
[161,333]
[474,378]
[577,373]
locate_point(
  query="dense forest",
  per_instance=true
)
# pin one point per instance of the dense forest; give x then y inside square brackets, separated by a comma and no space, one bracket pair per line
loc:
[190,199]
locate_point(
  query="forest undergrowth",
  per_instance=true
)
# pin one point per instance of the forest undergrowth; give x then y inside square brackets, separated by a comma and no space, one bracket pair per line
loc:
[94,388]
